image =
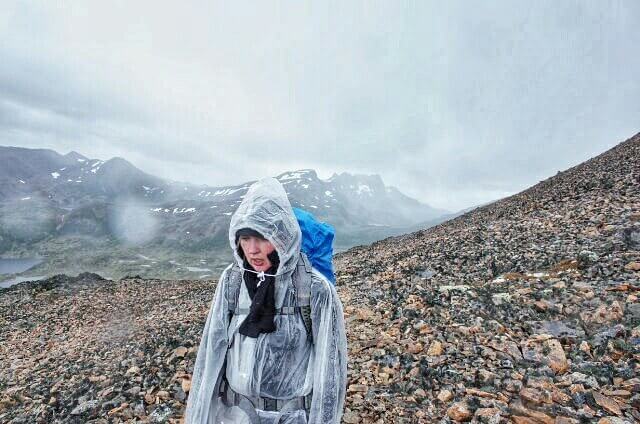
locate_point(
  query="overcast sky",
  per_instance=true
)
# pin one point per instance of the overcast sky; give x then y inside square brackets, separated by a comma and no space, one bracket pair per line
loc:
[454,103]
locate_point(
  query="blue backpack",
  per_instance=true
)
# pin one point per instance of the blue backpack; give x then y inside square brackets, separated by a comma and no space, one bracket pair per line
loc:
[317,242]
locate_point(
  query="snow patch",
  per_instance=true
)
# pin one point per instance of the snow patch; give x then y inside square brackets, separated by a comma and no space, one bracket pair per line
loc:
[228,191]
[292,175]
[183,210]
[22,181]
[55,175]
[81,160]
[363,188]
[25,198]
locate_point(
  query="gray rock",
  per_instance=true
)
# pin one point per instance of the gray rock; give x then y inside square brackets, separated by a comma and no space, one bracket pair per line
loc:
[586,258]
[85,407]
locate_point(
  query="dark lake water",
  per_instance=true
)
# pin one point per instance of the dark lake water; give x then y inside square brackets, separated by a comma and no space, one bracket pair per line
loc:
[15,266]
[8,283]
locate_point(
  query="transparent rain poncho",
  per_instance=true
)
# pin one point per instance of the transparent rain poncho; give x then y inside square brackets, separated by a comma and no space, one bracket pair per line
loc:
[283,364]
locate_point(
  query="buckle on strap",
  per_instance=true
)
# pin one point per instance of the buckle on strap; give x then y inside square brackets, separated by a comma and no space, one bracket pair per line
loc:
[232,398]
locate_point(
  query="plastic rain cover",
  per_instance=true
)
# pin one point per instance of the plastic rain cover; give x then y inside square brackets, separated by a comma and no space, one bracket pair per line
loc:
[282,364]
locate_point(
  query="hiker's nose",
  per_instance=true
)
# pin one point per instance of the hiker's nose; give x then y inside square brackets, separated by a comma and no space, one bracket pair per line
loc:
[253,246]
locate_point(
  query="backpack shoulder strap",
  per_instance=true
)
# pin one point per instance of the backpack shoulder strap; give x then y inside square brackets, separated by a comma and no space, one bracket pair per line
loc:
[233,280]
[302,284]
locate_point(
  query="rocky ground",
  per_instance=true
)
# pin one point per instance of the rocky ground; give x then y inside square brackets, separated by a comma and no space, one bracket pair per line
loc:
[522,311]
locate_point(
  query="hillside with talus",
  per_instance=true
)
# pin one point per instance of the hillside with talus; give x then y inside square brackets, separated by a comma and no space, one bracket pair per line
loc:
[525,310]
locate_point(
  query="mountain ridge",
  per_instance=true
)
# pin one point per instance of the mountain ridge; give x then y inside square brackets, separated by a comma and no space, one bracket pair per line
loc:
[66,200]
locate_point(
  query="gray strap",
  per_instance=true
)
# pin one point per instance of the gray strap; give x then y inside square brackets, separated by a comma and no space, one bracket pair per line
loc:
[305,262]
[285,310]
[303,282]
[303,291]
[231,398]
[290,406]
[249,404]
[234,280]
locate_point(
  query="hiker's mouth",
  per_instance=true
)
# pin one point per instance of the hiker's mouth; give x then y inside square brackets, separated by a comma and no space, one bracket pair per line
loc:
[257,262]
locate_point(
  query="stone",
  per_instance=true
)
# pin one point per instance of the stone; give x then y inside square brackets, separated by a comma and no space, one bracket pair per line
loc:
[415,348]
[632,266]
[445,396]
[547,350]
[586,258]
[350,417]
[85,407]
[535,396]
[134,370]
[435,349]
[358,388]
[459,411]
[607,403]
[487,416]
[186,385]
[180,352]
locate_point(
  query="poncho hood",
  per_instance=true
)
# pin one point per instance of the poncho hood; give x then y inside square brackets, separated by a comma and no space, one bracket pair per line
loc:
[267,210]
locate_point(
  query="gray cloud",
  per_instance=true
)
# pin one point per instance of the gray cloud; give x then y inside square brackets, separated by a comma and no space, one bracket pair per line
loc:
[453,104]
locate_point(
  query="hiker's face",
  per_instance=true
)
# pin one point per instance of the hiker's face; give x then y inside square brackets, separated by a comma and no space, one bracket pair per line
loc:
[257,250]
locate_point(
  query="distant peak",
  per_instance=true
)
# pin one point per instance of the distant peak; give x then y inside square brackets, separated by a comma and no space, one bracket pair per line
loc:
[298,174]
[75,155]
[346,176]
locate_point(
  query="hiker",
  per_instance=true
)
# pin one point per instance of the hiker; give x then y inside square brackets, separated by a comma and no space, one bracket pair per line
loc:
[273,349]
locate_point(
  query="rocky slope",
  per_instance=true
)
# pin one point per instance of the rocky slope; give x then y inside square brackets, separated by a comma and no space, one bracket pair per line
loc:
[524,311]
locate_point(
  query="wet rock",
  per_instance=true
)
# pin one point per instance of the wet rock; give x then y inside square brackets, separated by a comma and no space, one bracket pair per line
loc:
[547,350]
[486,416]
[607,403]
[604,314]
[87,407]
[558,329]
[435,349]
[586,258]
[445,396]
[350,417]
[632,266]
[459,411]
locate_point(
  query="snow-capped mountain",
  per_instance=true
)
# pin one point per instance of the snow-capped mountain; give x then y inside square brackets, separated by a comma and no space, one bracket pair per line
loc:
[60,195]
